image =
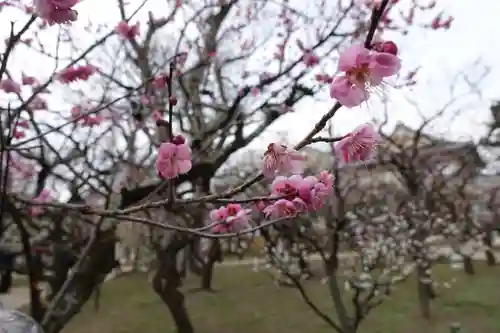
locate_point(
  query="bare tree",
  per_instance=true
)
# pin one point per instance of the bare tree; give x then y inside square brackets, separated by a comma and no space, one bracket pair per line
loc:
[78,158]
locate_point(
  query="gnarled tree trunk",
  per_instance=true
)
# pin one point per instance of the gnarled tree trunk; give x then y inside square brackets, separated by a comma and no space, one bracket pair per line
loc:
[425,292]
[168,280]
[99,262]
[214,254]
[488,241]
[468,265]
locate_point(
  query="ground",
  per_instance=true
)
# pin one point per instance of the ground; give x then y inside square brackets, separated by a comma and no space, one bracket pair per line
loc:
[248,302]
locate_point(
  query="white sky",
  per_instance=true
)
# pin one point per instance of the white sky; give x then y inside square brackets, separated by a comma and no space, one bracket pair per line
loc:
[442,55]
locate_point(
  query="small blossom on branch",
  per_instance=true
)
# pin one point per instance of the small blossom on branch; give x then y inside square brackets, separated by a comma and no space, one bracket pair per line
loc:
[281,208]
[174,158]
[28,80]
[364,70]
[310,59]
[43,197]
[75,73]
[229,218]
[126,31]
[37,104]
[305,194]
[10,86]
[359,145]
[280,160]
[56,11]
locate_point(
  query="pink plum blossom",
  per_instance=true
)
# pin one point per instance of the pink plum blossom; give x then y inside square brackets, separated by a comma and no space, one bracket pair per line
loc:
[126,31]
[28,80]
[305,194]
[280,209]
[23,123]
[86,120]
[363,70]
[160,81]
[229,218]
[359,145]
[310,59]
[43,197]
[10,86]
[18,134]
[156,115]
[174,158]
[386,47]
[92,120]
[76,111]
[279,159]
[36,104]
[75,73]
[56,11]
[22,168]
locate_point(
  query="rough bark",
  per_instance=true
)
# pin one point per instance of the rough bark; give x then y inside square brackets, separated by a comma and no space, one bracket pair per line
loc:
[488,241]
[425,292]
[99,262]
[214,254]
[167,281]
[468,265]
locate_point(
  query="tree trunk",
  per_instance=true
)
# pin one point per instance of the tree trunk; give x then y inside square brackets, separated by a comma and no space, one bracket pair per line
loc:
[168,280]
[194,258]
[174,299]
[97,265]
[62,260]
[468,265]
[425,292]
[6,271]
[214,254]
[488,241]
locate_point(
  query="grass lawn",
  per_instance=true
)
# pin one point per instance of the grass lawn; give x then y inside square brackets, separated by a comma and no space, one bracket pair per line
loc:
[248,302]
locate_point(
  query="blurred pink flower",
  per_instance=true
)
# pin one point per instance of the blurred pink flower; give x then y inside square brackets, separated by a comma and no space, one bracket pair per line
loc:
[56,11]
[359,145]
[307,194]
[278,159]
[76,111]
[43,197]
[37,103]
[364,69]
[386,47]
[156,115]
[27,80]
[160,81]
[126,31]
[10,86]
[229,218]
[310,59]
[75,73]
[173,159]
[18,134]
[92,120]
[280,209]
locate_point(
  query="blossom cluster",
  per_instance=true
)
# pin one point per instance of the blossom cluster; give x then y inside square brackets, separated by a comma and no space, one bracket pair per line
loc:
[56,11]
[362,71]
[292,193]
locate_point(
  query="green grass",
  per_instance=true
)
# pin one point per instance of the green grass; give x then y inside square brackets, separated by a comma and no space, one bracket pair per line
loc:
[248,302]
[20,281]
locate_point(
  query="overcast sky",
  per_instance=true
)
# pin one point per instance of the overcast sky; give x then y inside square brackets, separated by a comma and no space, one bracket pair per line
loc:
[468,47]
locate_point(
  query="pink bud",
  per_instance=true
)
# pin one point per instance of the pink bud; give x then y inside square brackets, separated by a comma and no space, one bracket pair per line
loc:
[172,101]
[178,140]
[386,47]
